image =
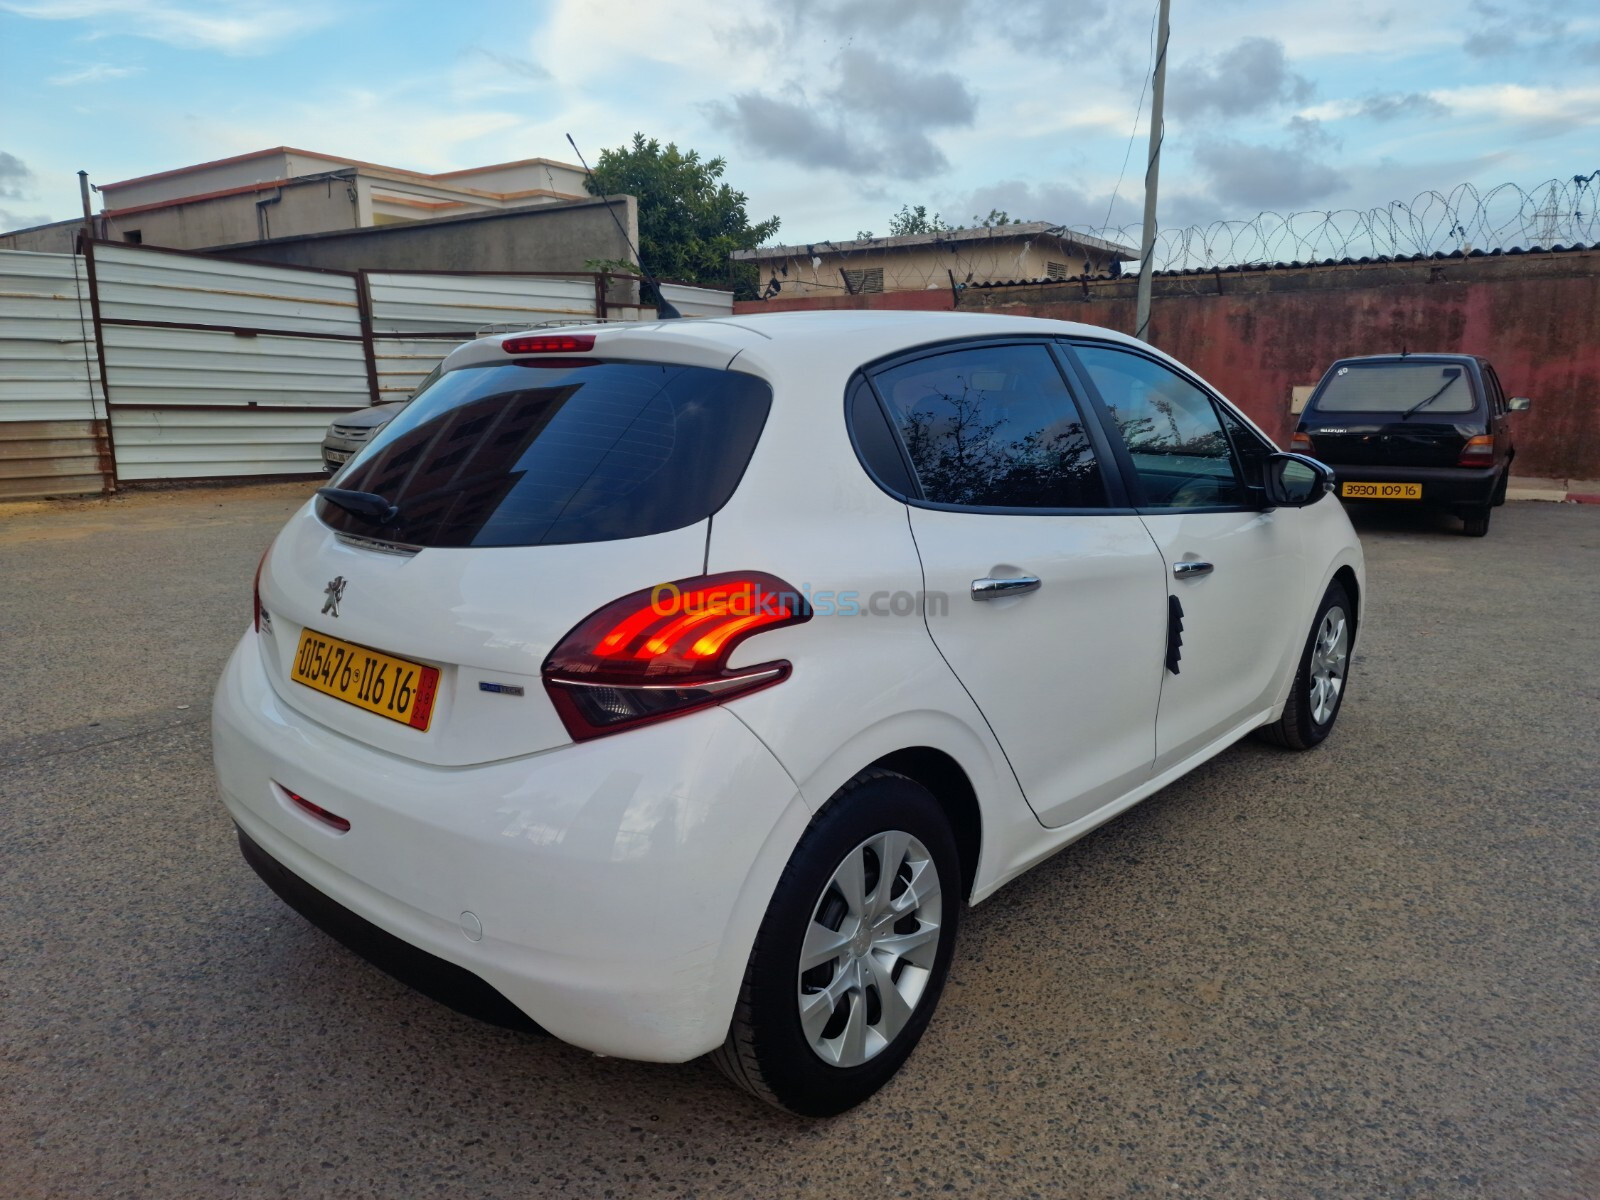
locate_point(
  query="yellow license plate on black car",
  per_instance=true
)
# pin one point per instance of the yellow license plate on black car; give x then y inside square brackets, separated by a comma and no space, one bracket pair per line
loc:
[1381,491]
[380,683]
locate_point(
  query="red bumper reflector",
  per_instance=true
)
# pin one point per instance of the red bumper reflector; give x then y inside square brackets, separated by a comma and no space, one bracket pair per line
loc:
[317,811]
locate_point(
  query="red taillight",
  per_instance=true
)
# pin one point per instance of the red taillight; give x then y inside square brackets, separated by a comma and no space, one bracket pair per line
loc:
[317,811]
[1300,443]
[1478,452]
[664,651]
[255,589]
[550,343]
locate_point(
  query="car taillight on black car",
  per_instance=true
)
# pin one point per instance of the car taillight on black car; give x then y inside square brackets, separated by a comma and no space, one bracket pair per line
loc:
[1478,452]
[664,651]
[1300,443]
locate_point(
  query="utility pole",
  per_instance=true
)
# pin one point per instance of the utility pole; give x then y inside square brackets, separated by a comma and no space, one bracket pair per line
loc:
[1152,176]
[88,209]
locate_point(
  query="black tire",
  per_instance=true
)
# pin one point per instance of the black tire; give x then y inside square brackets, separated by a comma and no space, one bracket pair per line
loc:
[1298,728]
[768,1051]
[1475,521]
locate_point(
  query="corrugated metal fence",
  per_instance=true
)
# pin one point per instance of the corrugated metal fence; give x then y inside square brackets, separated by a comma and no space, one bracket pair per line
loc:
[52,405]
[217,368]
[418,318]
[221,368]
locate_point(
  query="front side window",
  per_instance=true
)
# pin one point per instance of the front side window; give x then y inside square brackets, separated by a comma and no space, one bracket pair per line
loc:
[544,452]
[993,427]
[1181,453]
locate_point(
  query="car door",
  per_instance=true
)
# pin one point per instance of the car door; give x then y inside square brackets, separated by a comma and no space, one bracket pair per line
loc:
[1044,594]
[1232,569]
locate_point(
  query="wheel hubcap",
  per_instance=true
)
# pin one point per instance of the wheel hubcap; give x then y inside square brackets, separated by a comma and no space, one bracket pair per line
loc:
[1329,655]
[869,949]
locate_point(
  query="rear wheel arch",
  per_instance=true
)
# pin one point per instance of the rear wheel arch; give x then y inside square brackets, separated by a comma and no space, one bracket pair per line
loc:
[1346,577]
[944,777]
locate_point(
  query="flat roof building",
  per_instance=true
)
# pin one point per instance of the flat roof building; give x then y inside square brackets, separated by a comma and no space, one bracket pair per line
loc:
[285,192]
[1022,250]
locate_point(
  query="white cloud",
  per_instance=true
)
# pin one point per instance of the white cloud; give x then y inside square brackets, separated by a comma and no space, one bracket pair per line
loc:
[362,123]
[1558,108]
[93,73]
[232,26]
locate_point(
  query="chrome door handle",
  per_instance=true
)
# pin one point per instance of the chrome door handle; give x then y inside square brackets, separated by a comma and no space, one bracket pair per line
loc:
[1191,570]
[994,589]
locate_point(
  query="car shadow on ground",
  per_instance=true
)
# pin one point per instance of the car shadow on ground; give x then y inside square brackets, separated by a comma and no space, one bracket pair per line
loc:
[1399,518]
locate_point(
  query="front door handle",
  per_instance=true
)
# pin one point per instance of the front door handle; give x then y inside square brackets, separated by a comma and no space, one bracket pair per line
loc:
[993,589]
[1191,569]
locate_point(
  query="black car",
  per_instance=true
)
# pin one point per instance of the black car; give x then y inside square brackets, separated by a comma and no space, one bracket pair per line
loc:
[1428,428]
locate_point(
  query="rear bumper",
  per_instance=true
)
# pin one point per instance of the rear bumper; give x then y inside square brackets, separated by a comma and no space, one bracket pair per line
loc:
[610,890]
[429,974]
[1440,485]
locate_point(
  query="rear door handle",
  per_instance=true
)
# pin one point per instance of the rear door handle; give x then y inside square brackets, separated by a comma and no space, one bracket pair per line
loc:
[1191,570]
[993,589]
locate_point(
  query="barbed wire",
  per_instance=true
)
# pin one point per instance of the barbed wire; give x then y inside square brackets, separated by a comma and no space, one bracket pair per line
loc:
[1562,212]
[1467,219]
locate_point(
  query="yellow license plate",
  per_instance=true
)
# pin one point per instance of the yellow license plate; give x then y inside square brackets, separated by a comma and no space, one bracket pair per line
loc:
[380,683]
[1381,491]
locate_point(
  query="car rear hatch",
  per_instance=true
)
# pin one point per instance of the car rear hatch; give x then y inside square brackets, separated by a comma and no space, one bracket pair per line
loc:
[528,494]
[1412,412]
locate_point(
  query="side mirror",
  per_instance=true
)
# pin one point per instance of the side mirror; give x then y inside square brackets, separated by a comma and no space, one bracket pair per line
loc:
[1519,404]
[1296,480]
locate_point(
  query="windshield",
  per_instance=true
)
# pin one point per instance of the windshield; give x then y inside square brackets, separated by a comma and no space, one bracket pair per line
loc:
[1397,387]
[568,450]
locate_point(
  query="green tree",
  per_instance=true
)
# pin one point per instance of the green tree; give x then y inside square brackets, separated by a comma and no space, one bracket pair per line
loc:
[919,220]
[689,220]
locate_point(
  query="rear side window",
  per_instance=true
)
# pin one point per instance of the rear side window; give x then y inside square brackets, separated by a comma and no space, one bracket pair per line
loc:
[557,452]
[993,427]
[1396,387]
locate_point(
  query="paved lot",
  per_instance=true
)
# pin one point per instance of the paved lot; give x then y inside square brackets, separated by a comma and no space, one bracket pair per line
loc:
[1367,971]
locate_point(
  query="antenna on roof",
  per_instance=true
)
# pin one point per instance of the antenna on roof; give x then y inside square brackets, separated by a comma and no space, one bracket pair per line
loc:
[664,308]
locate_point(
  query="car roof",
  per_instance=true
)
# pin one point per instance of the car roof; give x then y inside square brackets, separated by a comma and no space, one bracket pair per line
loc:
[854,332]
[1429,355]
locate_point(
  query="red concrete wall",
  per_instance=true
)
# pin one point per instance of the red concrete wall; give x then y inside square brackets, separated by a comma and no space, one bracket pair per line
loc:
[1542,332]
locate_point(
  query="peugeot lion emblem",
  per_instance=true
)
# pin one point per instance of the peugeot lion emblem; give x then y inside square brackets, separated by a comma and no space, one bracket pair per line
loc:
[335,593]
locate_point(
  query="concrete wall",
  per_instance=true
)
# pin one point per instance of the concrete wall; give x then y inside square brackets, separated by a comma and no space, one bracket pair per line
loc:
[309,206]
[240,171]
[539,174]
[547,237]
[59,237]
[1256,335]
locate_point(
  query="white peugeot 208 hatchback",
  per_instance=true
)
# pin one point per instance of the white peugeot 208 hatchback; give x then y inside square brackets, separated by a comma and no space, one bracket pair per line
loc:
[673,687]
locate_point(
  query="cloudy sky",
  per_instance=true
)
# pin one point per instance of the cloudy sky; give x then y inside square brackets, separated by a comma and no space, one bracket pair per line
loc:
[831,113]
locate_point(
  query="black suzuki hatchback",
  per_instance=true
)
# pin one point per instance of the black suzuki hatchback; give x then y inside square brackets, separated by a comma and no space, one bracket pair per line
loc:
[1428,428]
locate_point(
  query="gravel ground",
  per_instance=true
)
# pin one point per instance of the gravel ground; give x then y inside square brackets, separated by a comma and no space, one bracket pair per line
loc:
[1366,971]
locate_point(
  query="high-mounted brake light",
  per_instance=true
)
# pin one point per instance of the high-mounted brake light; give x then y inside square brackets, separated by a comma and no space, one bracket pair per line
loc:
[664,651]
[1300,443]
[550,343]
[1478,452]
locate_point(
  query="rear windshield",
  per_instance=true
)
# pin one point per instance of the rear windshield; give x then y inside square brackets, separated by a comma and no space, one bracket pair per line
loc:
[563,451]
[1397,387]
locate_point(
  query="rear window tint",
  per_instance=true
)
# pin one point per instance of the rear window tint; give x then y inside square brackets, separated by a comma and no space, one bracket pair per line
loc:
[558,452]
[1396,387]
